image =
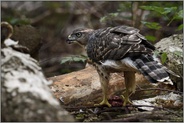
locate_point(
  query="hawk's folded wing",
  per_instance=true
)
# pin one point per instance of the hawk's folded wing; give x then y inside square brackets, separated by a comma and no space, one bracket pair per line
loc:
[117,42]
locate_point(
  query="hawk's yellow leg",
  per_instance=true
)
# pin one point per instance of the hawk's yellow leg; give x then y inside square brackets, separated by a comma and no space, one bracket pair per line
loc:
[104,86]
[104,80]
[130,86]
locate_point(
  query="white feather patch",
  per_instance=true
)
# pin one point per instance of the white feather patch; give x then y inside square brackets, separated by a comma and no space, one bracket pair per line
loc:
[167,81]
[128,62]
[155,58]
[125,64]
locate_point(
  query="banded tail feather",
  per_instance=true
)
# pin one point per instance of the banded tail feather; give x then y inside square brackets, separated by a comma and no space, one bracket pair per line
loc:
[152,69]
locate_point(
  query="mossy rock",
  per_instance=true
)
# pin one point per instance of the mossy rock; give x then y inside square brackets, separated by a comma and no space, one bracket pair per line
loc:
[172,47]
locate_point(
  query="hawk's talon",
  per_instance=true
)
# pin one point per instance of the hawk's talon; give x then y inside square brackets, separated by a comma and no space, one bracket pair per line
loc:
[104,102]
[126,100]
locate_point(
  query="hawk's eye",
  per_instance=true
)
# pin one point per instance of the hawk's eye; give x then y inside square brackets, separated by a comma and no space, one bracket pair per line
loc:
[78,34]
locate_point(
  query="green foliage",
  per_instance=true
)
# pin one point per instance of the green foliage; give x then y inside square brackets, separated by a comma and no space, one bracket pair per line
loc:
[150,38]
[108,17]
[168,14]
[177,16]
[160,10]
[163,57]
[180,27]
[164,12]
[151,25]
[75,58]
[171,13]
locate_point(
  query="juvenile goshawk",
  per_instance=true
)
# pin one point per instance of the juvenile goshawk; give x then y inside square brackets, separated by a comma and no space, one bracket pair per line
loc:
[120,49]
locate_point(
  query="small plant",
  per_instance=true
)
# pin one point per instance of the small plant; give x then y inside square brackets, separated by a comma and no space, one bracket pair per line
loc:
[75,58]
[170,13]
[164,57]
[161,55]
[110,16]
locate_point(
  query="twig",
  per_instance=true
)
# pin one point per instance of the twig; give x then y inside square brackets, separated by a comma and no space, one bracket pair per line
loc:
[107,109]
[78,108]
[161,108]
[160,90]
[143,117]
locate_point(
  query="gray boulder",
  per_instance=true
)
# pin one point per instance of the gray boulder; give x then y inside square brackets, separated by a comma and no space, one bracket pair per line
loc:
[171,49]
[25,95]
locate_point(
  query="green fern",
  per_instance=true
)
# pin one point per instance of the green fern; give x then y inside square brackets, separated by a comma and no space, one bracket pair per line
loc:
[74,58]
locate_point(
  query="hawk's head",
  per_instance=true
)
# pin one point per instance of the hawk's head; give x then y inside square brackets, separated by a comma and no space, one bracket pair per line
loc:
[79,36]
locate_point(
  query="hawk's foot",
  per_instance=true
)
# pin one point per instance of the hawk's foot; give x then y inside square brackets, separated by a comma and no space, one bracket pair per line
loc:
[104,102]
[126,100]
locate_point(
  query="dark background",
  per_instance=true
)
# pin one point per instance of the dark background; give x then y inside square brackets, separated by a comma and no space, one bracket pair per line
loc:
[56,20]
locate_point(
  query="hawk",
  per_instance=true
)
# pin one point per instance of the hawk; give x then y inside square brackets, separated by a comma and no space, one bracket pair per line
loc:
[120,49]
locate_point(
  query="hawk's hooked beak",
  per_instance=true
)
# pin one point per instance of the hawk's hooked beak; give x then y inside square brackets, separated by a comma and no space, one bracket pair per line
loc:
[70,39]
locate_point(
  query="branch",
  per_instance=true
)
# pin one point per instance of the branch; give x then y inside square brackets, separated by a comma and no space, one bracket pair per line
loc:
[107,109]
[161,89]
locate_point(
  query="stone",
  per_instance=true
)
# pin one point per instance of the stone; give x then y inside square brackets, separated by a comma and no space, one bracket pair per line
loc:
[173,47]
[25,92]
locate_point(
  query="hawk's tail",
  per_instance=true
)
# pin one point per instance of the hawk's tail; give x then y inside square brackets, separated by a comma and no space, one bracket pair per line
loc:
[152,69]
